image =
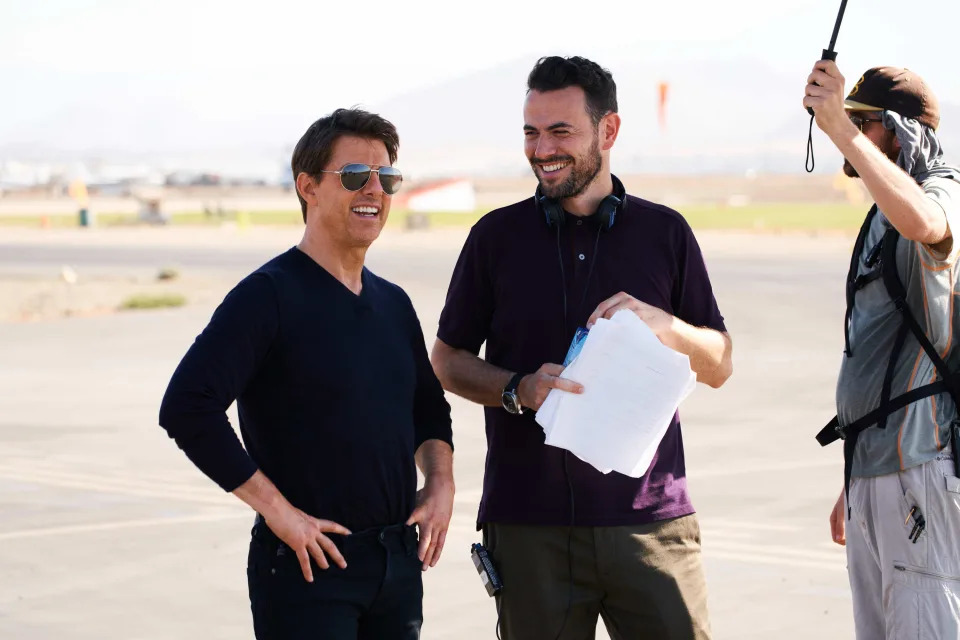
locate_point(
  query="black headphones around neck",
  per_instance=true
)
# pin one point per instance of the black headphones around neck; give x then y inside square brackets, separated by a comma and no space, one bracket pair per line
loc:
[606,212]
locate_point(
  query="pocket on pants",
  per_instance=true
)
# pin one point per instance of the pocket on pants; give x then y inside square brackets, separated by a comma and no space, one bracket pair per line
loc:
[925,605]
[951,481]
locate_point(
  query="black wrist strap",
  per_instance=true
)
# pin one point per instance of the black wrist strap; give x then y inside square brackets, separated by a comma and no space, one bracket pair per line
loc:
[514,383]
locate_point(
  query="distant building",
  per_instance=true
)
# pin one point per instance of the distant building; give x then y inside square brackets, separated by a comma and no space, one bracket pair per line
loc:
[455,195]
[18,175]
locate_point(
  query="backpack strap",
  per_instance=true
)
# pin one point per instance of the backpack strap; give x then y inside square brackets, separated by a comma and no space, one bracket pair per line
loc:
[948,382]
[852,278]
[897,292]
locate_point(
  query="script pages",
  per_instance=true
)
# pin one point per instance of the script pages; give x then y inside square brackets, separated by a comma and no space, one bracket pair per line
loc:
[633,385]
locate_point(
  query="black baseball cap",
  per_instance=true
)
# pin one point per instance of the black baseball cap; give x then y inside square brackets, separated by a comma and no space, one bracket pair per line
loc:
[898,90]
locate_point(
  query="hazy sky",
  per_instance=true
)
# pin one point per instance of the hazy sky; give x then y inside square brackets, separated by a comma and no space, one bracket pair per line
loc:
[229,64]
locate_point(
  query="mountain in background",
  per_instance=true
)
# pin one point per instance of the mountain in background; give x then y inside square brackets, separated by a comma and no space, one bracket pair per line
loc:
[723,116]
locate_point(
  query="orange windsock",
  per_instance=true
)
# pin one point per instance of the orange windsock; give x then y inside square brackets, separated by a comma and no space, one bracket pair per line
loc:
[664,89]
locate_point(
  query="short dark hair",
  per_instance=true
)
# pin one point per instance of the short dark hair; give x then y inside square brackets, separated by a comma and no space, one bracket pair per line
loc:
[554,72]
[314,149]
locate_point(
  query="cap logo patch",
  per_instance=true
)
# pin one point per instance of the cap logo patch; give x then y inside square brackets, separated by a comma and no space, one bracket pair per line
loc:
[856,87]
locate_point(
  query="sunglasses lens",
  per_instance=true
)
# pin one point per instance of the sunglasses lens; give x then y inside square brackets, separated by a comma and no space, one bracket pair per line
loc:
[390,179]
[354,176]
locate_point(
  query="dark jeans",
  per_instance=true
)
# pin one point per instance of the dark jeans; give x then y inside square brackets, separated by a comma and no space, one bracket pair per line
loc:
[378,596]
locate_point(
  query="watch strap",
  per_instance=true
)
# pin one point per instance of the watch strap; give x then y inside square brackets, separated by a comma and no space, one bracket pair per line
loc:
[513,384]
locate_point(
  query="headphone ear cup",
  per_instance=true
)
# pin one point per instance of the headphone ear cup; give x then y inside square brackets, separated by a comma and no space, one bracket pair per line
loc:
[552,212]
[607,211]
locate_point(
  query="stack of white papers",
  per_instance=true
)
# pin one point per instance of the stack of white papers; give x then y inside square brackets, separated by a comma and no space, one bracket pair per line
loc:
[633,385]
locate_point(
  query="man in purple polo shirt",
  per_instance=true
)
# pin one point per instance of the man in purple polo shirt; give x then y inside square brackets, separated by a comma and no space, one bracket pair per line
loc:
[570,542]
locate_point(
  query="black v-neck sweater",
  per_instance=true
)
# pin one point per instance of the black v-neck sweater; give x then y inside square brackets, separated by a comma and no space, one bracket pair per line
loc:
[334,392]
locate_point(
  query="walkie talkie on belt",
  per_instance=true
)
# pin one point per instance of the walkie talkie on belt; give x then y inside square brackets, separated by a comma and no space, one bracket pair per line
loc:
[488,573]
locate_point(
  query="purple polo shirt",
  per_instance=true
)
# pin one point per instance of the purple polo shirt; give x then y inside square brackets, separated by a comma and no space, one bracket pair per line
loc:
[507,291]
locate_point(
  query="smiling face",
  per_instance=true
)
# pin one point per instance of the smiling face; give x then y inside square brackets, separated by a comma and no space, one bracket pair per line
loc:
[562,143]
[349,219]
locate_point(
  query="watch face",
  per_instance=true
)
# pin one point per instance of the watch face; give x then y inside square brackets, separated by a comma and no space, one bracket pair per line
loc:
[510,402]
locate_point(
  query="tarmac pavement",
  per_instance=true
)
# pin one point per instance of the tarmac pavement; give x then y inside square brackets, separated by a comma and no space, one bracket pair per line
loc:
[107,531]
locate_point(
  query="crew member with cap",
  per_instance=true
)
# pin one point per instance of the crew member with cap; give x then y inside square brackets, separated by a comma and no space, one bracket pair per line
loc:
[900,513]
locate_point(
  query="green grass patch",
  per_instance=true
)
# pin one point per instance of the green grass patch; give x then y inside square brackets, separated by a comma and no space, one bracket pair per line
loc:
[776,217]
[238,217]
[153,301]
[61,221]
[754,217]
[397,219]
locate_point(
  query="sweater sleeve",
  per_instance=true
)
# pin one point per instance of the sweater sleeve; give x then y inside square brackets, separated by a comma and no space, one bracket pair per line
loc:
[213,373]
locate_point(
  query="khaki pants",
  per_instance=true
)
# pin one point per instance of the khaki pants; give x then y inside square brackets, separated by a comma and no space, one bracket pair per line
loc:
[904,590]
[646,582]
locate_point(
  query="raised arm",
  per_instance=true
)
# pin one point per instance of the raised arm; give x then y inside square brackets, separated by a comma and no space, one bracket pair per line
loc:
[897,194]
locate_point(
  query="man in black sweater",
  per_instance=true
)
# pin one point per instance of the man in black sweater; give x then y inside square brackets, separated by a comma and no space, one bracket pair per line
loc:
[337,403]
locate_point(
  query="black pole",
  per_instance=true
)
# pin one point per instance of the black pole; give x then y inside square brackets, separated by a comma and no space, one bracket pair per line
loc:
[836,29]
[827,54]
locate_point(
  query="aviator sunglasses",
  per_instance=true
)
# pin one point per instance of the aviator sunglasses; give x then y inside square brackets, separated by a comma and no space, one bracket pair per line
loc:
[354,176]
